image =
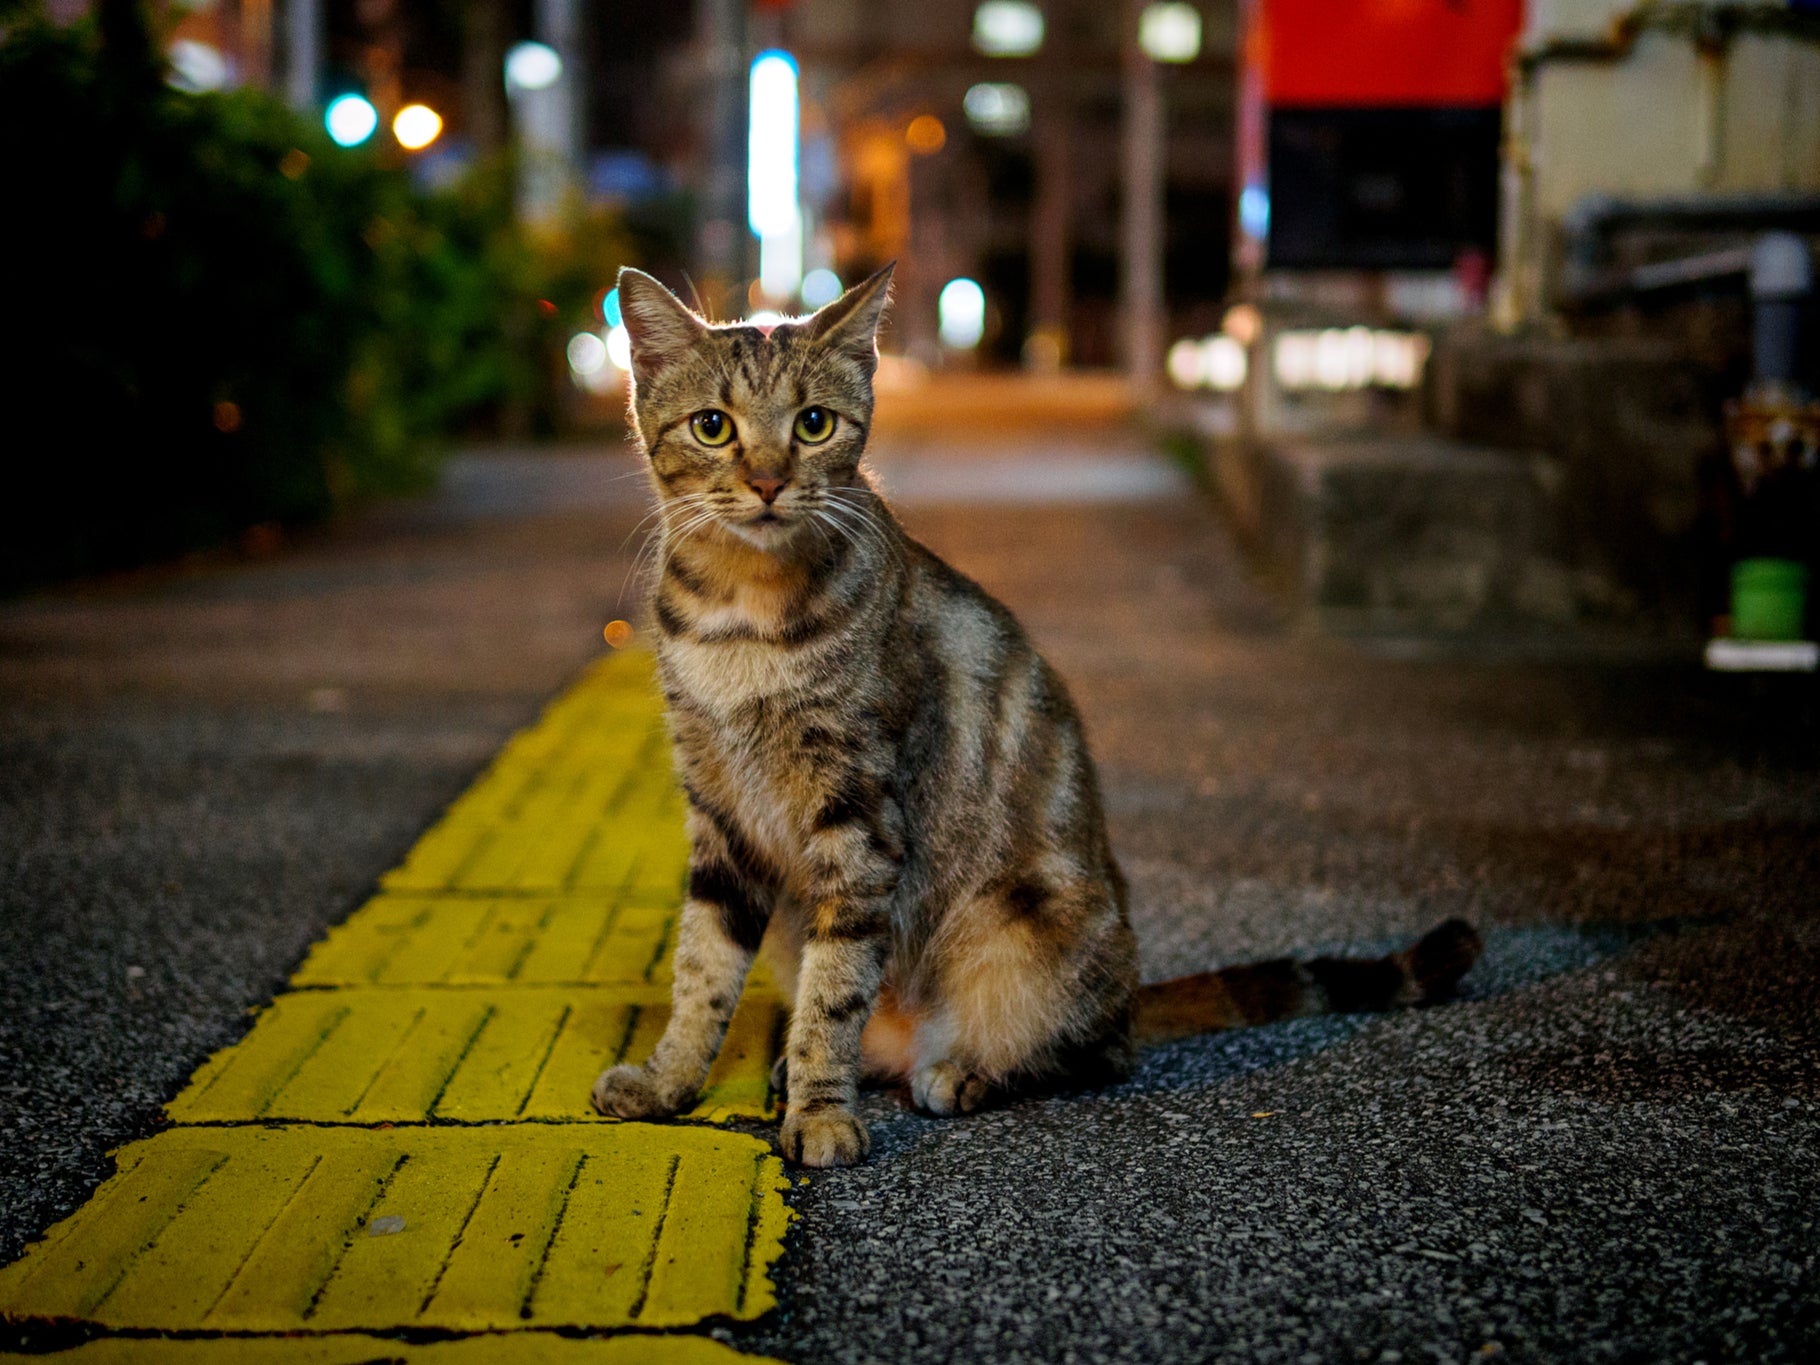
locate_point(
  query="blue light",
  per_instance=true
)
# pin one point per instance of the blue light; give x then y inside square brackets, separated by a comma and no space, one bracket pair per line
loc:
[609,308]
[1254,211]
[350,120]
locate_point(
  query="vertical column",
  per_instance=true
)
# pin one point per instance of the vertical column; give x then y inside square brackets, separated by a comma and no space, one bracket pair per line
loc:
[1046,343]
[303,53]
[1141,212]
[720,235]
[485,29]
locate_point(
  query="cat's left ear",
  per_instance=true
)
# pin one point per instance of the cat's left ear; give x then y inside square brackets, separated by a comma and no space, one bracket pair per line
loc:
[662,328]
[850,323]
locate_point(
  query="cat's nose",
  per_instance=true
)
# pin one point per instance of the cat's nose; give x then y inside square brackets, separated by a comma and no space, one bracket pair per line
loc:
[766,488]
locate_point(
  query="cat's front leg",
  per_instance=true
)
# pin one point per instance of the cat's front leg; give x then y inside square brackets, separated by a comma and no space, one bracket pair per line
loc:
[719,931]
[843,965]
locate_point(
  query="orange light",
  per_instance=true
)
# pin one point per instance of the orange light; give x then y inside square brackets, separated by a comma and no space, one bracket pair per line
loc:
[295,163]
[618,634]
[227,416]
[926,135]
[416,127]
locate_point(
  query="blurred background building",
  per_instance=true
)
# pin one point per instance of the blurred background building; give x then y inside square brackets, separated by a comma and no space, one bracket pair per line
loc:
[1553,239]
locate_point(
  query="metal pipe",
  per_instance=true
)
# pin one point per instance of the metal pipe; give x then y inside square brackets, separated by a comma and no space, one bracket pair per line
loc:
[1781,287]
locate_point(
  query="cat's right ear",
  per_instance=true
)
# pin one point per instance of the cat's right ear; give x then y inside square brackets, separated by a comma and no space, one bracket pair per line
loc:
[661,327]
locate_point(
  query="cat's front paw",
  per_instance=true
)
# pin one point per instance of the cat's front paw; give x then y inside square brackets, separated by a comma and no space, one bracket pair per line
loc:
[826,1137]
[628,1092]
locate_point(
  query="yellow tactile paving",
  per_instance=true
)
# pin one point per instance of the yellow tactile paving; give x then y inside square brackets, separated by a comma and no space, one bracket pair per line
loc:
[518,1348]
[432,1065]
[413,1055]
[444,940]
[283,1229]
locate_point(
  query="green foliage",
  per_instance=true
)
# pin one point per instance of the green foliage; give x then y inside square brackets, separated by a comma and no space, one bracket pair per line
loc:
[221,319]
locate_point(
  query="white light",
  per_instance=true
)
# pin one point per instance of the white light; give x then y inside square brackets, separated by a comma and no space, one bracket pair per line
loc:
[963,314]
[350,120]
[1350,358]
[1293,357]
[1007,28]
[1185,364]
[532,66]
[197,67]
[1397,359]
[771,153]
[587,353]
[821,287]
[1170,33]
[997,108]
[765,317]
[619,347]
[416,126]
[780,260]
[1223,362]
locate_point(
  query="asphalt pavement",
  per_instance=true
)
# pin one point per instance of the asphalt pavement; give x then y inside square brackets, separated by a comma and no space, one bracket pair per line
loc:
[1605,1150]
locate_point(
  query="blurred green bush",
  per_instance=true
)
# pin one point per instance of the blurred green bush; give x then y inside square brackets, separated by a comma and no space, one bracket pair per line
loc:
[219,319]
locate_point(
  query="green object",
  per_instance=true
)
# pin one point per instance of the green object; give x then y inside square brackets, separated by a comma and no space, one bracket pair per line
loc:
[1769,599]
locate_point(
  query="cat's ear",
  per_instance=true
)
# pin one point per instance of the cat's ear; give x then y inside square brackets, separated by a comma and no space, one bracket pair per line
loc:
[850,323]
[660,325]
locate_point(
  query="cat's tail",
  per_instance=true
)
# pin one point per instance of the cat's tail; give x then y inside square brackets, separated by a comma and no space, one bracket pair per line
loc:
[1282,988]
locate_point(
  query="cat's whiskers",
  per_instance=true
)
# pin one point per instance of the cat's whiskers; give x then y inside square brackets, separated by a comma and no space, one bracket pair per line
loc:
[651,554]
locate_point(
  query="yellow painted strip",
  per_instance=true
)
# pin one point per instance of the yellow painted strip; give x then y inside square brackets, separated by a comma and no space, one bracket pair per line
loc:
[519,1348]
[413,1055]
[497,1228]
[404,1142]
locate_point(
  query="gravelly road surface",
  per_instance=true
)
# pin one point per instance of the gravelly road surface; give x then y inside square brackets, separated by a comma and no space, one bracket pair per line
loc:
[1607,1149]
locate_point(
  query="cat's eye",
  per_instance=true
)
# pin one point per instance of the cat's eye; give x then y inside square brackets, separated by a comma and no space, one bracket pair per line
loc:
[712,427]
[814,425]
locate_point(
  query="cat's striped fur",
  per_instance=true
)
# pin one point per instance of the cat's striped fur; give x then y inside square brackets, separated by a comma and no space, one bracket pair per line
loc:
[888,787]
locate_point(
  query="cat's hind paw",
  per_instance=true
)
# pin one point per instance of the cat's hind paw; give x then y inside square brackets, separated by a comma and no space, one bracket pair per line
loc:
[628,1092]
[944,1089]
[824,1138]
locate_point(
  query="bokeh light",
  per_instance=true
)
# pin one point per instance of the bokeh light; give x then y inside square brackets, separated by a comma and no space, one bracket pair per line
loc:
[821,287]
[587,353]
[619,347]
[416,127]
[926,135]
[962,310]
[350,120]
[997,108]
[197,67]
[532,66]
[1007,28]
[1170,33]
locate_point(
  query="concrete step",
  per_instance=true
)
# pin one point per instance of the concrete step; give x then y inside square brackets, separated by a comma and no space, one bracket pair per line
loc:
[1405,533]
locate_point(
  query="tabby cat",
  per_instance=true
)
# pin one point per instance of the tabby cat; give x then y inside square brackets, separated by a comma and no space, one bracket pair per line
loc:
[888,787]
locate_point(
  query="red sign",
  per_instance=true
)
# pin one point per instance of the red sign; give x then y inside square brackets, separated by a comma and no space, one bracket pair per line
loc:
[1385,52]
